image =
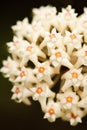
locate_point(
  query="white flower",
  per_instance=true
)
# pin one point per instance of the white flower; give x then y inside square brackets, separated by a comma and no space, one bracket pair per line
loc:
[26,75]
[10,67]
[73,77]
[72,40]
[21,28]
[45,15]
[43,71]
[82,56]
[31,52]
[68,99]
[74,116]
[35,31]
[16,46]
[52,111]
[20,94]
[60,57]
[68,18]
[41,90]
[52,40]
[83,103]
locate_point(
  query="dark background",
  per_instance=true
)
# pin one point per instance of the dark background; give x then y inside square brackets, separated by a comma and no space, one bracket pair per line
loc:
[15,116]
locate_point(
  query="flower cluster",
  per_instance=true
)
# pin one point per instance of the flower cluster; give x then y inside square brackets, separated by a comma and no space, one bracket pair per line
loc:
[50,52]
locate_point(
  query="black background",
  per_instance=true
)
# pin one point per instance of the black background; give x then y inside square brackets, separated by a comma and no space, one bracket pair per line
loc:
[15,116]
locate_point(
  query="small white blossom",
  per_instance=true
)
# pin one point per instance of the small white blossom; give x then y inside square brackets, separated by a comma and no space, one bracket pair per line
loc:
[52,111]
[45,15]
[60,57]
[68,99]
[25,75]
[20,94]
[68,16]
[9,68]
[74,116]
[72,40]
[21,28]
[82,56]
[43,72]
[52,40]
[73,77]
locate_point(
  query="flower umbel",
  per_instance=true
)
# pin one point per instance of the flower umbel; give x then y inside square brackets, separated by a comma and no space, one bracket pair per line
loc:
[48,62]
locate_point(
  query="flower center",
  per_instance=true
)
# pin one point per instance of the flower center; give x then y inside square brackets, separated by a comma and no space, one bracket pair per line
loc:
[68,15]
[29,48]
[69,99]
[58,54]
[73,116]
[73,36]
[39,90]
[47,14]
[85,53]
[22,74]
[74,75]
[17,90]
[15,43]
[51,111]
[85,23]
[41,69]
[52,36]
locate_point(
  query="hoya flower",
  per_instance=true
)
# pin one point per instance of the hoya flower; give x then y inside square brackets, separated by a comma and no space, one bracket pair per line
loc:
[72,41]
[68,99]
[45,15]
[82,56]
[68,16]
[35,31]
[52,40]
[52,111]
[41,92]
[9,67]
[31,52]
[83,103]
[60,57]
[20,94]
[25,75]
[21,28]
[73,77]
[43,72]
[74,116]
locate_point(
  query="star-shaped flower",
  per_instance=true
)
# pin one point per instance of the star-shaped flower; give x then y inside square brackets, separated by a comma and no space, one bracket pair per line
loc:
[73,77]
[72,40]
[52,111]
[20,94]
[43,72]
[82,56]
[60,58]
[68,99]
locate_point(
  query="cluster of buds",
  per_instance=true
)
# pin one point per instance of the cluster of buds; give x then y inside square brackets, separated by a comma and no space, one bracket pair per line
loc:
[48,53]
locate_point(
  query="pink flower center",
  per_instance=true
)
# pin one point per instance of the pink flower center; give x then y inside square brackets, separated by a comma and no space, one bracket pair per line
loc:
[22,74]
[17,90]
